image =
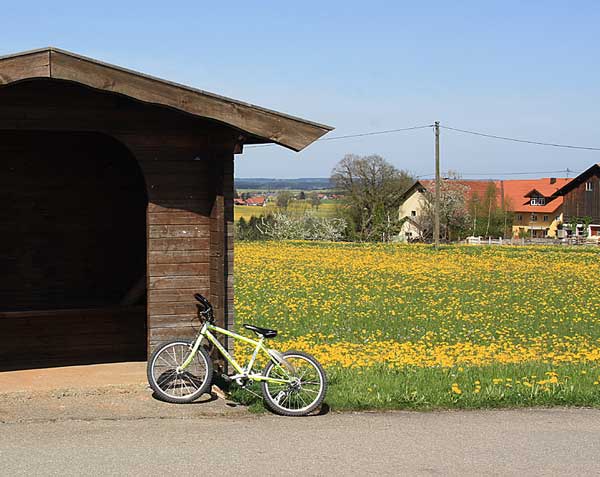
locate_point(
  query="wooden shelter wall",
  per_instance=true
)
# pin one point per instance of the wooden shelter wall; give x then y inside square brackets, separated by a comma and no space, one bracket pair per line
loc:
[188,168]
[69,337]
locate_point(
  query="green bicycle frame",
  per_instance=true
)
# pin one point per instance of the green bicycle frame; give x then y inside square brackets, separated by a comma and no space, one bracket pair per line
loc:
[243,372]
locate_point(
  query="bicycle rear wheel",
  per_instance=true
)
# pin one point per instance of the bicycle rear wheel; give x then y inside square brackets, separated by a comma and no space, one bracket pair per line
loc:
[304,393]
[169,382]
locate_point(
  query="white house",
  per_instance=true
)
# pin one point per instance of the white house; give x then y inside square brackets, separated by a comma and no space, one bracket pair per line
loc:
[411,212]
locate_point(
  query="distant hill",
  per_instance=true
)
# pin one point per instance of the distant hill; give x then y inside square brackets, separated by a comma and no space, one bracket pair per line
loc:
[262,183]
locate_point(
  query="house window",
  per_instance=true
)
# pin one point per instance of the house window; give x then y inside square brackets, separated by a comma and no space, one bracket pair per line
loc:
[589,186]
[413,213]
[538,201]
[533,218]
[545,218]
[519,217]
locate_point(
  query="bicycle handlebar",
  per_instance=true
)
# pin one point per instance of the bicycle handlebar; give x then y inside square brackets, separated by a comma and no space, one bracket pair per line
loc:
[205,309]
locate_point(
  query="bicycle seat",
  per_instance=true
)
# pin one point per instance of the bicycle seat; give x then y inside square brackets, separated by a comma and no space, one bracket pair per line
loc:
[266,332]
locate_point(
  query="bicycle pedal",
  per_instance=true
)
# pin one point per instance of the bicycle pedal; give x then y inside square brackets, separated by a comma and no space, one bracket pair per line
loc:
[226,378]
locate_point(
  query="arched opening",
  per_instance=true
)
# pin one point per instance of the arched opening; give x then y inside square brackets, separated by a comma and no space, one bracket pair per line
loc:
[72,250]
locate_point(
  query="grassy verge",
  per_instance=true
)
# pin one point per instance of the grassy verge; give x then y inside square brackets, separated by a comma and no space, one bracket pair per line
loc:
[426,389]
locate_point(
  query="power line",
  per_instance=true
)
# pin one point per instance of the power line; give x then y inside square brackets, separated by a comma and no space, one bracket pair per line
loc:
[371,133]
[464,131]
[526,141]
[374,133]
[565,171]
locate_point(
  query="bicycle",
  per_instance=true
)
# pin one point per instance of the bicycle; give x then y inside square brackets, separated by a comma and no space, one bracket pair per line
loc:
[292,383]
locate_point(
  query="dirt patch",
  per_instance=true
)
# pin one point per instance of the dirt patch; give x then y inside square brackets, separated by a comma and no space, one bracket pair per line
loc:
[98,392]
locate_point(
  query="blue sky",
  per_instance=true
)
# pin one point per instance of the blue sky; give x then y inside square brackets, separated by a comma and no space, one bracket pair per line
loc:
[524,69]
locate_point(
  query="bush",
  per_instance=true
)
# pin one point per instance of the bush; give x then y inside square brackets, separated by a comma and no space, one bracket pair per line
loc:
[250,230]
[281,226]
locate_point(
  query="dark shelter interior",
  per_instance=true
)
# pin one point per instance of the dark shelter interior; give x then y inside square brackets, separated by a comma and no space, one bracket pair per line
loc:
[73,249]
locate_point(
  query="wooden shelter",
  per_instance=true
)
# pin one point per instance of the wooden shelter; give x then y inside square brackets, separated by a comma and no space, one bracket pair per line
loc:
[581,209]
[117,205]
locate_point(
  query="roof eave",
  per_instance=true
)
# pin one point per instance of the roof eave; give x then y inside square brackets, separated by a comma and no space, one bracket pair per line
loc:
[575,181]
[274,127]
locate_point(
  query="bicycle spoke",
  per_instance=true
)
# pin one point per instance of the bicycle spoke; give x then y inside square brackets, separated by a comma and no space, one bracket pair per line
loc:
[184,381]
[171,384]
[303,374]
[166,378]
[301,399]
[191,381]
[310,390]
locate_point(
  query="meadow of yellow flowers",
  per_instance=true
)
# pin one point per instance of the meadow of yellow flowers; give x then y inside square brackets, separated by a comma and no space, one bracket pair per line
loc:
[408,326]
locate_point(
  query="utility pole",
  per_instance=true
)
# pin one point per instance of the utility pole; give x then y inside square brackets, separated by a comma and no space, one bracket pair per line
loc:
[436,219]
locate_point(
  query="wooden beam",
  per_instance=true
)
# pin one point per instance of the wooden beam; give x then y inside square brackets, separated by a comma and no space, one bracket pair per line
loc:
[30,65]
[276,127]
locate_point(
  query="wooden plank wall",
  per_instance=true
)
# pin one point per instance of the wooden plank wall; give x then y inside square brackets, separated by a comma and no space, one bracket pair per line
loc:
[188,168]
[221,236]
[74,336]
[186,237]
[581,203]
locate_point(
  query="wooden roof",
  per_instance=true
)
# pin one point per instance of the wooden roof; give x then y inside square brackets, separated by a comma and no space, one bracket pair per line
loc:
[261,125]
[569,186]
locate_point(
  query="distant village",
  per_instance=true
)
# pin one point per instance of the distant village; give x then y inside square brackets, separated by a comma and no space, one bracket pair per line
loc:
[260,199]
[546,208]
[532,210]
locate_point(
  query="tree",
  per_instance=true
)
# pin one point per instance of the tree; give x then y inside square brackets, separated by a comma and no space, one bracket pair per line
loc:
[301,195]
[489,216]
[454,215]
[283,199]
[315,200]
[372,189]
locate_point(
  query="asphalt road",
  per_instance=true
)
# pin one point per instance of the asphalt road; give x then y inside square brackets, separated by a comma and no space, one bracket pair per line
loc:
[529,442]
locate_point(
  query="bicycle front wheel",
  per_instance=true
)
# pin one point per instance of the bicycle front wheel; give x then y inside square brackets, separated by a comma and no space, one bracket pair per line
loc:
[305,389]
[170,382]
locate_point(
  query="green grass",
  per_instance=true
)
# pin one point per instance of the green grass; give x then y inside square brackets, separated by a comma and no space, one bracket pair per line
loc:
[430,389]
[530,313]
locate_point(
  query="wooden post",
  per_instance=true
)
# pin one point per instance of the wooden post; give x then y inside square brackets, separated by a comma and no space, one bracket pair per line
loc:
[436,220]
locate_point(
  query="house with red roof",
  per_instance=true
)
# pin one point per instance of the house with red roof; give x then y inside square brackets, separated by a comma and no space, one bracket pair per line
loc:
[535,204]
[537,210]
[412,207]
[258,201]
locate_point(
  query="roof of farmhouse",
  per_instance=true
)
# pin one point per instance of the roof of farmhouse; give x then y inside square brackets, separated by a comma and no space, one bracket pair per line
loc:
[257,125]
[519,192]
[473,187]
[516,193]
